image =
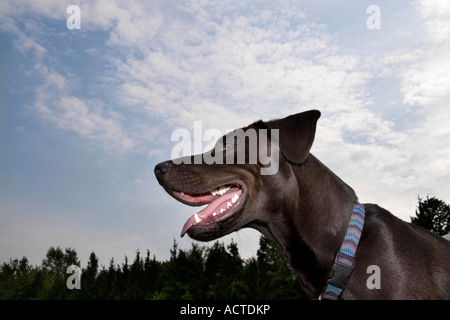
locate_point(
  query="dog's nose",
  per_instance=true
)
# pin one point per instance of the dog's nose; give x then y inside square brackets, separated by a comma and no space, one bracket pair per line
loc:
[161,168]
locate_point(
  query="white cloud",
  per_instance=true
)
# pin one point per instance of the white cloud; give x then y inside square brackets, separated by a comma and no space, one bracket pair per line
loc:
[54,100]
[385,164]
[241,67]
[436,16]
[75,115]
[426,85]
[426,74]
[131,24]
[224,68]
[54,104]
[426,82]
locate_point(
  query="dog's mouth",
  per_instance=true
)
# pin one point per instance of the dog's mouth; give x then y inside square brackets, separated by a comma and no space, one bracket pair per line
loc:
[222,203]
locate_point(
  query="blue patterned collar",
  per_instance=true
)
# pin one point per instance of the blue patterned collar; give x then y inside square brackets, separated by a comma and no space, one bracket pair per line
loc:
[344,262]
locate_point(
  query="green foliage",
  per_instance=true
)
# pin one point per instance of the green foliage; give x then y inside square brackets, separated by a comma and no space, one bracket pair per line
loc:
[215,272]
[433,214]
[276,280]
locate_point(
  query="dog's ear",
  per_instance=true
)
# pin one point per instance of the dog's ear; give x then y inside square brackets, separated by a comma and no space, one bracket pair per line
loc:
[296,134]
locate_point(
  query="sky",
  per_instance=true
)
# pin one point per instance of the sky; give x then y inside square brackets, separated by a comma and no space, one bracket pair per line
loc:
[86,114]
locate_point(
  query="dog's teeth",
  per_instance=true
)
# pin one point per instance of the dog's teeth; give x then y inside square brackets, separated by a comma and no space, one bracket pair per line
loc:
[220,191]
[222,211]
[229,204]
[223,189]
[214,214]
[197,218]
[235,198]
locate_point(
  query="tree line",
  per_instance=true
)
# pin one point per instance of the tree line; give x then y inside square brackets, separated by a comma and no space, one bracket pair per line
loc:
[216,272]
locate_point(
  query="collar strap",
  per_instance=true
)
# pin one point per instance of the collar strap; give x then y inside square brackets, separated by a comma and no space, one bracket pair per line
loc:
[344,262]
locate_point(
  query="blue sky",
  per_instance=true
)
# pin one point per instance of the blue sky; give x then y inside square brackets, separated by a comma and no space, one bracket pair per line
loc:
[86,114]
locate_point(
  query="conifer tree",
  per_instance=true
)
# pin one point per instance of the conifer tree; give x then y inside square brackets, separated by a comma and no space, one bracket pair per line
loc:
[433,214]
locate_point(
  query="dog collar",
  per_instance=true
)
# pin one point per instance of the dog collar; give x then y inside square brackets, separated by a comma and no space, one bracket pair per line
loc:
[344,262]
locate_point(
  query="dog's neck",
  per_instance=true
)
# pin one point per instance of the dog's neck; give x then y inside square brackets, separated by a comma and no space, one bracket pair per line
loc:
[313,227]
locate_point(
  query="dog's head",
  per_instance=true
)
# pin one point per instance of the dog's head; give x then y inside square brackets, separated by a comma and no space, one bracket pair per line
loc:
[244,180]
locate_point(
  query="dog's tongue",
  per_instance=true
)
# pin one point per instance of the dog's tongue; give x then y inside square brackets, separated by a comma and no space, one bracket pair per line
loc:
[213,211]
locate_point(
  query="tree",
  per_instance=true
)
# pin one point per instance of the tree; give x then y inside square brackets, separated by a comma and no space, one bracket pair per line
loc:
[55,264]
[136,283]
[57,261]
[152,271]
[223,272]
[216,272]
[275,279]
[182,275]
[89,279]
[108,282]
[16,279]
[433,214]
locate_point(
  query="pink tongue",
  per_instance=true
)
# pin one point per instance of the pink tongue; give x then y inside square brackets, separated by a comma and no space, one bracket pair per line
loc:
[206,215]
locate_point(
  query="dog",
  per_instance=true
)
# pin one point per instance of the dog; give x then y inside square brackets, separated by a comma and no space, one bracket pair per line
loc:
[306,209]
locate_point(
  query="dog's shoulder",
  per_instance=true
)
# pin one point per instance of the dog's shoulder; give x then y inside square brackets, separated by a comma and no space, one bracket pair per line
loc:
[381,222]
